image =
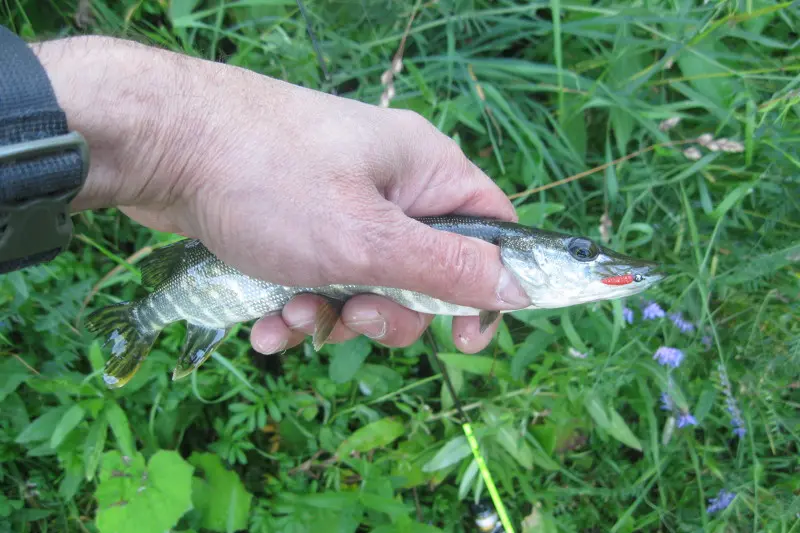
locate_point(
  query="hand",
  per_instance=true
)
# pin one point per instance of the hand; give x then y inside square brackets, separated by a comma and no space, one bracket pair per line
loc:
[285,184]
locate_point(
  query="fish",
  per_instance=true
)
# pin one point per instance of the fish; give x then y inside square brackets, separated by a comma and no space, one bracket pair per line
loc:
[189,283]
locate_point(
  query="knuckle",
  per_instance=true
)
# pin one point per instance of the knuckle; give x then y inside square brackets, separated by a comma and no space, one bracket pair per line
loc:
[461,267]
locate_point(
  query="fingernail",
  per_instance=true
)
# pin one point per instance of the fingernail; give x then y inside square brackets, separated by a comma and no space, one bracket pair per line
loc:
[510,292]
[368,322]
[299,318]
[271,346]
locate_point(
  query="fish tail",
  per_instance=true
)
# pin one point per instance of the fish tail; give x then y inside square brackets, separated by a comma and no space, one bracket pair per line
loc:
[130,341]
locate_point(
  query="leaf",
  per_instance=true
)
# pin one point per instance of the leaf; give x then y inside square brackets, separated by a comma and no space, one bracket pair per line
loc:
[529,351]
[375,435]
[12,374]
[68,422]
[41,428]
[515,446]
[533,214]
[620,431]
[132,498]
[94,446]
[348,358]
[219,495]
[597,411]
[455,450]
[120,427]
[383,504]
[610,421]
[731,199]
[477,364]
[466,480]
[573,122]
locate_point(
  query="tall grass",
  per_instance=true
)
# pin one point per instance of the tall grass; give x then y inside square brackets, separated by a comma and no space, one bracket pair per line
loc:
[583,422]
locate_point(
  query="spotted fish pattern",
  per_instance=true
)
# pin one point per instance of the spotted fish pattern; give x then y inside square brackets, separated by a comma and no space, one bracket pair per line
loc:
[189,283]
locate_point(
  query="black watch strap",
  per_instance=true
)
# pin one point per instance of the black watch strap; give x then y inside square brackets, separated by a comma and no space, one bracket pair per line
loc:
[42,164]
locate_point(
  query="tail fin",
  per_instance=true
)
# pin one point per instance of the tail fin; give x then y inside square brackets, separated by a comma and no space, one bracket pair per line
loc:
[131,341]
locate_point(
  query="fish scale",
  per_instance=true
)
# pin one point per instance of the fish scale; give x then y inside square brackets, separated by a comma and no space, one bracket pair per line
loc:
[191,284]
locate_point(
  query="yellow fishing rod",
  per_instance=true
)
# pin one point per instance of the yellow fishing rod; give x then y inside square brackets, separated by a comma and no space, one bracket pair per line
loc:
[466,426]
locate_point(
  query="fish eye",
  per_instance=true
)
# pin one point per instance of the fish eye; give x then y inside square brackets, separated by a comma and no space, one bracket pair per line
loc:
[583,249]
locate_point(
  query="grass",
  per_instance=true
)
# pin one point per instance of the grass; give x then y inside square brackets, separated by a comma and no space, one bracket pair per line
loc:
[561,103]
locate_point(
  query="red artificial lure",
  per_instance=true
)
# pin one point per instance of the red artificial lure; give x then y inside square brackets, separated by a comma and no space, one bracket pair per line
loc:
[618,280]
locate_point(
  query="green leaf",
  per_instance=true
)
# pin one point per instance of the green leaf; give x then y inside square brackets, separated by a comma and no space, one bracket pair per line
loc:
[132,498]
[68,422]
[12,374]
[529,351]
[533,214]
[597,411]
[41,428]
[620,431]
[94,446]
[731,199]
[610,421]
[118,421]
[477,364]
[383,504]
[348,358]
[455,450]
[219,495]
[375,435]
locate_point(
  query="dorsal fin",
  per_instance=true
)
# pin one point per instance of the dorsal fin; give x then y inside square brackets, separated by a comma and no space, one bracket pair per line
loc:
[161,262]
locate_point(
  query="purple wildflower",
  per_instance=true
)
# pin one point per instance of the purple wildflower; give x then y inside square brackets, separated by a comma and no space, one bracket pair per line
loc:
[669,356]
[627,314]
[686,419]
[730,403]
[652,311]
[681,323]
[722,501]
[666,402]
[706,340]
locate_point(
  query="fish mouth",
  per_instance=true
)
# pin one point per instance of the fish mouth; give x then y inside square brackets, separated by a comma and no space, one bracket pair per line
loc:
[637,274]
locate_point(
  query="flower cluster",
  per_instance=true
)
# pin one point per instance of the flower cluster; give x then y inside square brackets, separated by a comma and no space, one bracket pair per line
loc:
[669,356]
[720,502]
[730,402]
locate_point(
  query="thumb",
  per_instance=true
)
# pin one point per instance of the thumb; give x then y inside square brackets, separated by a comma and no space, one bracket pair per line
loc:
[445,265]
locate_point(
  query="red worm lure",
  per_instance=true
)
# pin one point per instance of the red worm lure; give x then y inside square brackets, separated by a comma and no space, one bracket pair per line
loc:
[621,280]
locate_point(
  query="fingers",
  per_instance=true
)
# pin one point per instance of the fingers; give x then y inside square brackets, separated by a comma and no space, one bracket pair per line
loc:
[378,318]
[467,335]
[384,321]
[408,254]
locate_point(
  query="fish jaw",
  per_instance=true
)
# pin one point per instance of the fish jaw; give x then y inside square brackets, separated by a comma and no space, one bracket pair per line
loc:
[553,277]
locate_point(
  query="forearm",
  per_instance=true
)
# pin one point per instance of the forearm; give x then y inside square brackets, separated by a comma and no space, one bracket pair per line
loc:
[123,98]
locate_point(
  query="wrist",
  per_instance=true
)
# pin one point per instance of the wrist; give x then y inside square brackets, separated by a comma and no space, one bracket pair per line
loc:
[117,94]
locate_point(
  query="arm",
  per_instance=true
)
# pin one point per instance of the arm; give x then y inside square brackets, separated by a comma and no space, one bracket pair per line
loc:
[284,183]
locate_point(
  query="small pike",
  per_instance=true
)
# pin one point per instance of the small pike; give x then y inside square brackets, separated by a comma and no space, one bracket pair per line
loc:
[191,284]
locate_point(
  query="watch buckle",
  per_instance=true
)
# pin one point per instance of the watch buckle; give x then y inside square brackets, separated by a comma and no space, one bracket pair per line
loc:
[37,230]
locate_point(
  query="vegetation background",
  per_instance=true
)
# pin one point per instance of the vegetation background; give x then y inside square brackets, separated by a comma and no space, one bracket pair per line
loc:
[584,423]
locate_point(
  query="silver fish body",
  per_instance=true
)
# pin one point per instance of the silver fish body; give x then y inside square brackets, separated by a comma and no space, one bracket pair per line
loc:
[191,284]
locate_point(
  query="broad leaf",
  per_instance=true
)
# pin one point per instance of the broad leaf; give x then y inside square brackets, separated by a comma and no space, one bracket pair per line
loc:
[132,498]
[374,435]
[219,495]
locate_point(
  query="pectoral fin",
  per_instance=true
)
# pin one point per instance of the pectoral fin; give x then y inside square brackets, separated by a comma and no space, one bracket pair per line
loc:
[487,318]
[327,315]
[200,344]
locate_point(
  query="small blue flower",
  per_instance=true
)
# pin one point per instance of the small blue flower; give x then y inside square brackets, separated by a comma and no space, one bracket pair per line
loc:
[627,314]
[706,340]
[666,402]
[669,356]
[722,501]
[730,403]
[686,419]
[681,323]
[652,311]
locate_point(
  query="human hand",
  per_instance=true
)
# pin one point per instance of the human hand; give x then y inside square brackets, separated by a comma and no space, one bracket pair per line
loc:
[285,184]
